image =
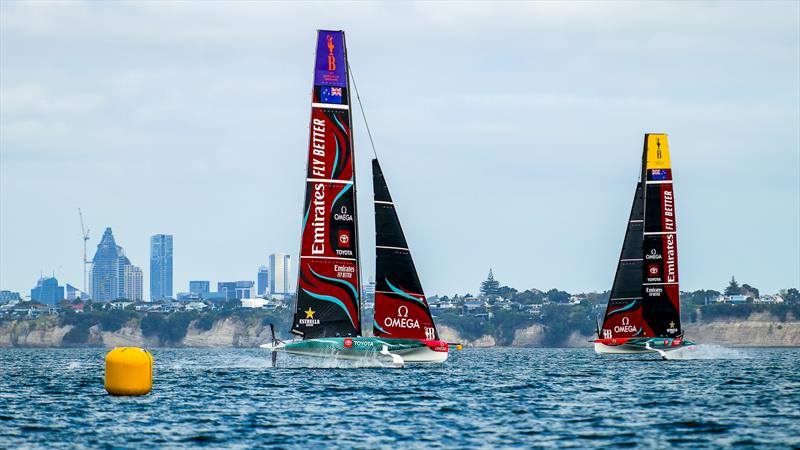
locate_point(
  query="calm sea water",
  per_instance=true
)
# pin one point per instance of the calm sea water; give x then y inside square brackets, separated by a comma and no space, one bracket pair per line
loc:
[232,398]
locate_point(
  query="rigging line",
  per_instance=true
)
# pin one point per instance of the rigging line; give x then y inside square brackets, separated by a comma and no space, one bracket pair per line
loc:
[361,107]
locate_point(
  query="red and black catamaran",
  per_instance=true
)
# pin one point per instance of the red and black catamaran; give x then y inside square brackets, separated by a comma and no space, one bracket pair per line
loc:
[327,316]
[643,313]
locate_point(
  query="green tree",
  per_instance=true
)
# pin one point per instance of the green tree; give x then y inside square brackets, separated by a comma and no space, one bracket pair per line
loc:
[507,292]
[529,297]
[556,296]
[749,291]
[733,287]
[791,296]
[490,288]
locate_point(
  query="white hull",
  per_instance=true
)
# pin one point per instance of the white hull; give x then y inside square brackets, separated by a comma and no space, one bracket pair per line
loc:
[422,355]
[418,355]
[620,349]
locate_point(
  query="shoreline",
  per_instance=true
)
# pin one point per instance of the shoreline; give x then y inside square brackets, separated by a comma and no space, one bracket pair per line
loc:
[757,331]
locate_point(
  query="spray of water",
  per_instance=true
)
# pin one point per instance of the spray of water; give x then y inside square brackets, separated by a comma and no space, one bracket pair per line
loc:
[706,351]
[330,361]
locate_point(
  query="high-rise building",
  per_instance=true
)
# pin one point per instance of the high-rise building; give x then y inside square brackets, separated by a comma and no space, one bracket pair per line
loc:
[368,289]
[199,287]
[263,281]
[109,268]
[47,291]
[160,266]
[245,289]
[8,296]
[133,283]
[236,289]
[74,293]
[280,265]
[227,288]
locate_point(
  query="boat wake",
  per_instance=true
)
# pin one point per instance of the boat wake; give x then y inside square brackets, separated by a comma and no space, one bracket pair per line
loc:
[307,362]
[706,351]
[73,365]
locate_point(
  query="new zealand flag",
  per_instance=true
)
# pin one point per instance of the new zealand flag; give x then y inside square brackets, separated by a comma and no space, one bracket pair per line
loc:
[331,95]
[658,174]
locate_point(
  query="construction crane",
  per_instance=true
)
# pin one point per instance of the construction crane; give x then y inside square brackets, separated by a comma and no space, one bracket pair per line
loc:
[85,235]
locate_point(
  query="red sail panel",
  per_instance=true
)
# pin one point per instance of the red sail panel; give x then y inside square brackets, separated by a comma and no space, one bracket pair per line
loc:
[398,316]
[624,320]
[329,221]
[328,288]
[329,154]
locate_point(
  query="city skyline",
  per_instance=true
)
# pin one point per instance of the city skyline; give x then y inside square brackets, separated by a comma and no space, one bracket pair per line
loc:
[112,275]
[515,148]
[160,266]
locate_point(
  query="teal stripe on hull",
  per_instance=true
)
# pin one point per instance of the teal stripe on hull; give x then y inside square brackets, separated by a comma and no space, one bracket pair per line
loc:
[659,343]
[363,345]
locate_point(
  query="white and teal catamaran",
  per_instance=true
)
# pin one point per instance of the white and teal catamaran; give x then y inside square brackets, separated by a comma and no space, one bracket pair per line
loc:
[327,318]
[643,313]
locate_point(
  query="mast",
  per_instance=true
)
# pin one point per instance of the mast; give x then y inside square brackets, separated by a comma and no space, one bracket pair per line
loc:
[328,286]
[661,304]
[401,309]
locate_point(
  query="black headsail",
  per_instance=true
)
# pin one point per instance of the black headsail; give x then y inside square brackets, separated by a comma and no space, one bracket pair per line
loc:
[624,312]
[328,288]
[401,310]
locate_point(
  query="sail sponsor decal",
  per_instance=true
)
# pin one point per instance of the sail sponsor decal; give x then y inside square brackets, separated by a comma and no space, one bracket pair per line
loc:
[667,208]
[661,258]
[402,314]
[625,326]
[329,220]
[327,294]
[309,319]
[330,67]
[329,227]
[401,320]
[329,152]
[661,309]
[660,209]
[624,320]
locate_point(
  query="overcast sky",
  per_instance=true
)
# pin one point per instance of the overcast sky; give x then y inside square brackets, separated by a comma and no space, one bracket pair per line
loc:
[510,135]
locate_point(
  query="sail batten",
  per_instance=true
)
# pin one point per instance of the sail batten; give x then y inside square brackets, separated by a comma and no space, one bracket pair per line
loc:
[644,300]
[328,287]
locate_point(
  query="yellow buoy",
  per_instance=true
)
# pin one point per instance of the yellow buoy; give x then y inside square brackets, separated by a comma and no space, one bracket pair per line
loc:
[129,371]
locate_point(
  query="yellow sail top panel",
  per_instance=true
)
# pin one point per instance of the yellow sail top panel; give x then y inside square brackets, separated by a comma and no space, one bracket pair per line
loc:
[657,152]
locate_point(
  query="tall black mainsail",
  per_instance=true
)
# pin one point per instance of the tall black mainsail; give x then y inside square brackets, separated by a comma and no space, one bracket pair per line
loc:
[401,309]
[328,287]
[644,298]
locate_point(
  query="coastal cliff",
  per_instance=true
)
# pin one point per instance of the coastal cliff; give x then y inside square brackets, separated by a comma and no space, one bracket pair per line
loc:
[758,330]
